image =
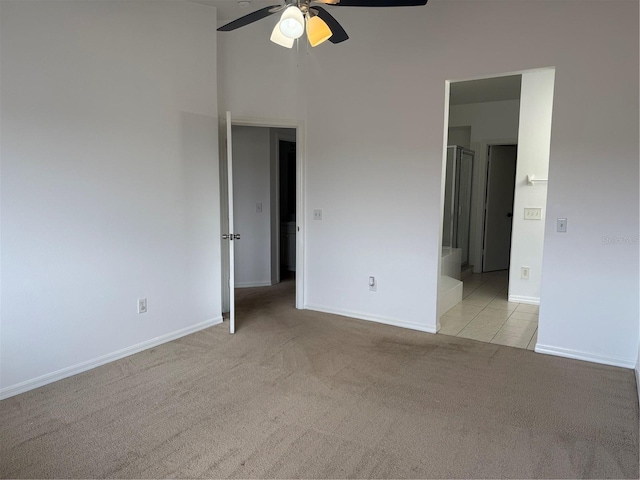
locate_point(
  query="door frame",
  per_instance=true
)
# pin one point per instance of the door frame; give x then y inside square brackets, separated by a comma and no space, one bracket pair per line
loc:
[480,197]
[300,199]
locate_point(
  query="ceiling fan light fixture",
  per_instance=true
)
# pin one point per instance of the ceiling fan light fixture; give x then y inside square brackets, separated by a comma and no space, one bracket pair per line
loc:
[318,31]
[278,38]
[292,22]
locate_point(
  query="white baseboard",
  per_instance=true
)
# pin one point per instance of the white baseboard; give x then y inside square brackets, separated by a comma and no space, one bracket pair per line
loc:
[638,381]
[586,356]
[523,299]
[253,284]
[42,380]
[372,318]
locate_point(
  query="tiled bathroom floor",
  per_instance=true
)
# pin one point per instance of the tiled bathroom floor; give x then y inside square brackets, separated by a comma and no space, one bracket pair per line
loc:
[485,314]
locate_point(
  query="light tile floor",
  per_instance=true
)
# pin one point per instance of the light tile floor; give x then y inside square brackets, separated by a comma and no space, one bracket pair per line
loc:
[485,314]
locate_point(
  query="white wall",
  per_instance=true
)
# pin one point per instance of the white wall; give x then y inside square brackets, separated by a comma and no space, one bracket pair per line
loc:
[459,136]
[103,92]
[109,181]
[374,159]
[534,139]
[252,185]
[490,122]
[258,79]
[374,151]
[593,181]
[259,82]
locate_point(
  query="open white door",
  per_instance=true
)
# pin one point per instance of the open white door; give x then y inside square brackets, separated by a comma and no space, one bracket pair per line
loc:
[230,236]
[501,173]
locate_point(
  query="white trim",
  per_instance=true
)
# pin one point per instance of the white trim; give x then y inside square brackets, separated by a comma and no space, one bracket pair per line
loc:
[586,356]
[42,380]
[523,299]
[498,75]
[301,216]
[265,283]
[638,381]
[371,318]
[264,122]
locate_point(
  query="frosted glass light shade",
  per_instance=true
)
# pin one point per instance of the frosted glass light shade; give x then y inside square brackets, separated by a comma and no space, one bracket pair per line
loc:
[317,31]
[292,22]
[280,39]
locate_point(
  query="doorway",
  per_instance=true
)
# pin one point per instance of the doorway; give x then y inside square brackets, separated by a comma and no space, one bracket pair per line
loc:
[287,208]
[259,188]
[506,122]
[498,210]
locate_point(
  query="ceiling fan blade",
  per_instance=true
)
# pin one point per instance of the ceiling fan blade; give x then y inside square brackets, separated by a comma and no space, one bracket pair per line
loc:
[250,18]
[381,3]
[339,35]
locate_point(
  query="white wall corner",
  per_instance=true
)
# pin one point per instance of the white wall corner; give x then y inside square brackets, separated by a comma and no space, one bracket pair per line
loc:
[139,217]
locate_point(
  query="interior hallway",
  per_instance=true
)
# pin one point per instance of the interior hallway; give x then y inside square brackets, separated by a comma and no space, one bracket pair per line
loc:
[486,315]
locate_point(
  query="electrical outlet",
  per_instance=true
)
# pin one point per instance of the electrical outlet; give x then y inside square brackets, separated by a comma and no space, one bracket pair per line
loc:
[533,213]
[524,273]
[372,284]
[142,305]
[317,214]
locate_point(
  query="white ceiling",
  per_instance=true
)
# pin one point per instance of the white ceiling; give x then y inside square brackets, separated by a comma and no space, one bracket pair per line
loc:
[485,90]
[230,10]
[472,91]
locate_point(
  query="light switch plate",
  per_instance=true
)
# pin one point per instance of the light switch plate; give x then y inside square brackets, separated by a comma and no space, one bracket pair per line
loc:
[533,213]
[142,305]
[562,225]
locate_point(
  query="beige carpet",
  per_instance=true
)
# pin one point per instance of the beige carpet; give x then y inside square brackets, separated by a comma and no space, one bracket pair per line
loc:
[302,394]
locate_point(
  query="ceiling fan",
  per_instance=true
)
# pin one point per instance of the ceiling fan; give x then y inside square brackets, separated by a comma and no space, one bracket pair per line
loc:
[300,15]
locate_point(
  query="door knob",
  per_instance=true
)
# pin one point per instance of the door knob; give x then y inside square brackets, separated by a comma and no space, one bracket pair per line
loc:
[509,214]
[236,236]
[225,236]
